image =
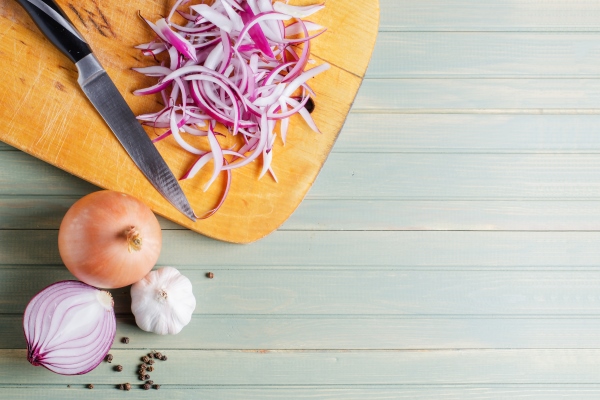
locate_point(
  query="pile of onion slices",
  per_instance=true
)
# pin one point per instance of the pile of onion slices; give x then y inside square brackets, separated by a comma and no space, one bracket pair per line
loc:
[239,64]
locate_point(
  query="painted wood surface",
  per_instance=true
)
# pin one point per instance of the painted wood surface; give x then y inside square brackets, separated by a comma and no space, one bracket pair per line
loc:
[449,249]
[501,15]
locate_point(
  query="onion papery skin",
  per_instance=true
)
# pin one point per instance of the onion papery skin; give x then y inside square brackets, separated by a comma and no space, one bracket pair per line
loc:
[69,327]
[93,244]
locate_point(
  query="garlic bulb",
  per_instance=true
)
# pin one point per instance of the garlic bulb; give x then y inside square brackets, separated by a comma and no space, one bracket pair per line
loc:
[163,302]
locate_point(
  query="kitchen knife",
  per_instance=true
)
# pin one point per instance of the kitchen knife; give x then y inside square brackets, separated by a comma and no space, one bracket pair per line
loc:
[105,97]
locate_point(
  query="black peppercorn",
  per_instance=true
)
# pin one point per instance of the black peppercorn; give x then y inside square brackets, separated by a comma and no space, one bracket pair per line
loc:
[310,105]
[90,386]
[127,386]
[157,355]
[150,368]
[164,358]
[146,386]
[142,377]
[157,387]
[109,357]
[150,382]
[142,371]
[150,362]
[125,340]
[145,359]
[119,368]
[146,377]
[121,387]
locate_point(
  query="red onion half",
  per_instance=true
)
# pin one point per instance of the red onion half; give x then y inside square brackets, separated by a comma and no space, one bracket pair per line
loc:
[235,63]
[69,327]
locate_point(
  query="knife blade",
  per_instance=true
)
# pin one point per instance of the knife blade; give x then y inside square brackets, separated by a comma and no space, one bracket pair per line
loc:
[105,97]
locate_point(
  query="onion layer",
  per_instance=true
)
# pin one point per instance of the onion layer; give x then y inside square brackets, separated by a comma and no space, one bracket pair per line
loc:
[69,327]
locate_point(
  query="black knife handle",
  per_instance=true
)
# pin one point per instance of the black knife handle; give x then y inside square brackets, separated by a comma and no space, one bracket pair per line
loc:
[57,27]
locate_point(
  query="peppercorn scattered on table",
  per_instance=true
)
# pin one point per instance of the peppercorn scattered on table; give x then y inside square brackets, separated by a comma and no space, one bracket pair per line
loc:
[448,249]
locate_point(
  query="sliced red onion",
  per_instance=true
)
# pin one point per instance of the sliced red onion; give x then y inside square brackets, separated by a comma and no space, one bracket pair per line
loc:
[175,39]
[69,327]
[218,19]
[296,28]
[234,63]
[297,11]
[234,17]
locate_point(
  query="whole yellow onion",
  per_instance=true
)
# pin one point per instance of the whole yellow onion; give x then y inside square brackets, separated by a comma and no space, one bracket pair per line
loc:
[109,239]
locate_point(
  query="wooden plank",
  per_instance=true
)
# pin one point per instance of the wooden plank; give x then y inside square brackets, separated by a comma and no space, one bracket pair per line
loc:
[381,291]
[459,177]
[22,174]
[7,147]
[344,249]
[320,250]
[468,133]
[450,367]
[502,15]
[500,96]
[339,332]
[444,215]
[485,55]
[407,177]
[46,212]
[338,392]
[36,212]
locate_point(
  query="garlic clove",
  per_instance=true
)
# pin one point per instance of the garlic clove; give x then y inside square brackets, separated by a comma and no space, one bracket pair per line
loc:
[163,301]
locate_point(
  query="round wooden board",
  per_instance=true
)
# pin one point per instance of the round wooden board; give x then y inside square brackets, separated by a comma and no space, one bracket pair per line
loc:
[46,114]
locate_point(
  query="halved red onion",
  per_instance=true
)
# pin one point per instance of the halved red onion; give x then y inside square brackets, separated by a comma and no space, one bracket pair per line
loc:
[70,327]
[237,64]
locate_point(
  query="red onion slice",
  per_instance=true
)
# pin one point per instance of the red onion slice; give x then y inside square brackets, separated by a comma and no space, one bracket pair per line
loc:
[178,41]
[69,327]
[216,18]
[297,11]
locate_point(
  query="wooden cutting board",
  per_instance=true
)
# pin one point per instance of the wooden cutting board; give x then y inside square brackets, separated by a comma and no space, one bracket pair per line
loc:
[45,114]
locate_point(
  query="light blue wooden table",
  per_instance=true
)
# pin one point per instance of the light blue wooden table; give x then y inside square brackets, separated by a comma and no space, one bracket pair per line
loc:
[450,248]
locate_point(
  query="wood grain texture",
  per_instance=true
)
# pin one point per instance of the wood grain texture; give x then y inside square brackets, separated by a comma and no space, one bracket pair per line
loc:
[298,368]
[46,212]
[489,55]
[343,332]
[402,132]
[82,144]
[410,176]
[502,15]
[311,250]
[350,292]
[445,215]
[337,392]
[473,96]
